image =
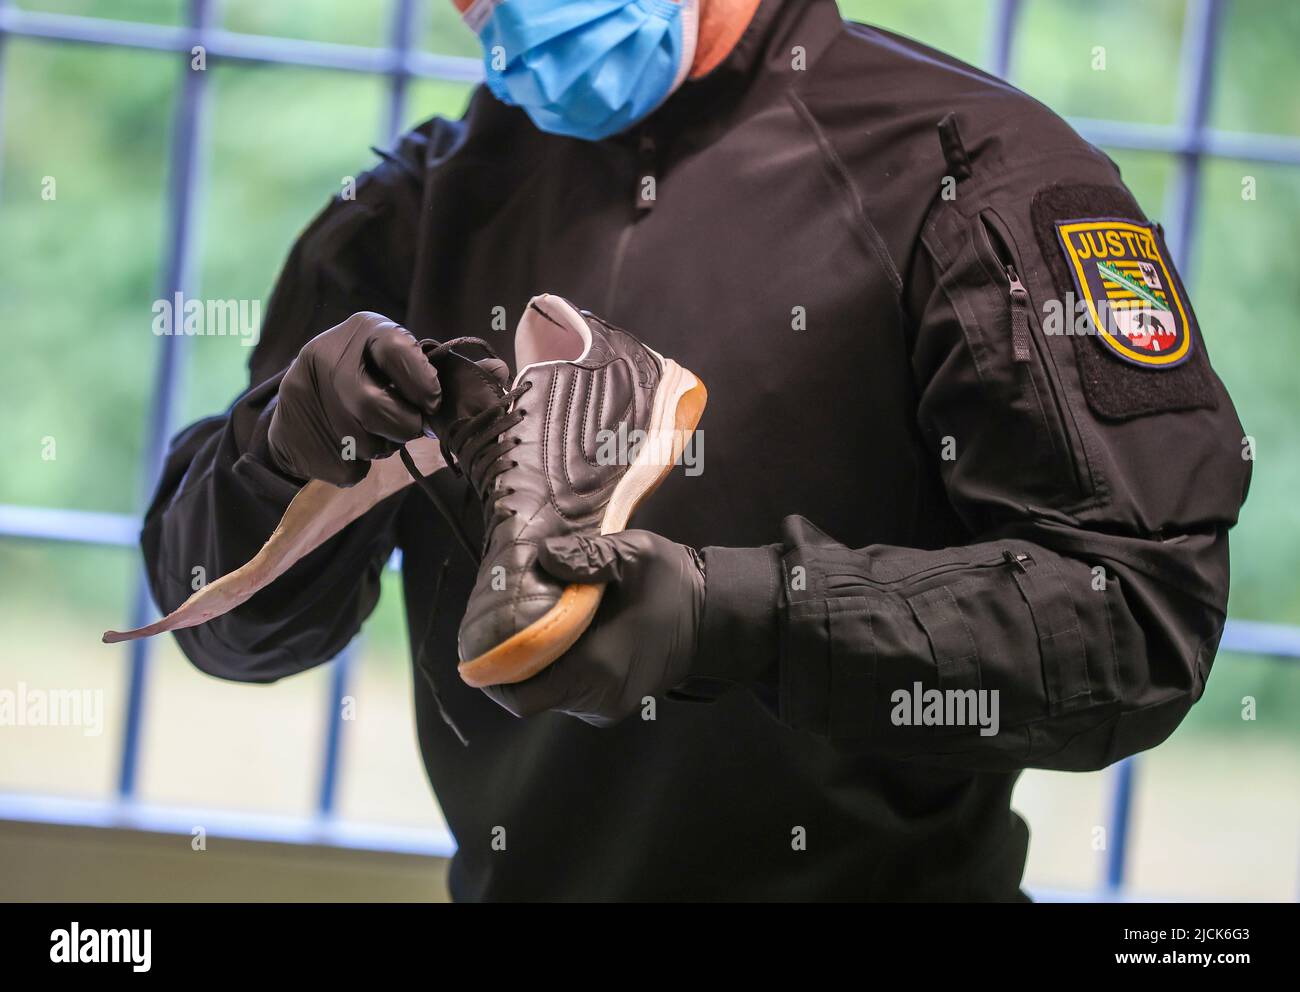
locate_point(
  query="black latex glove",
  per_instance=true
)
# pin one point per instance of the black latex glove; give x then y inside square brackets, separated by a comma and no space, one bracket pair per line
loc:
[355,392]
[643,639]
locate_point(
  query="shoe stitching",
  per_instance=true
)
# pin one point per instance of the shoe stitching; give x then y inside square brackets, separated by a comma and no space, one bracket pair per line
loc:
[564,465]
[600,413]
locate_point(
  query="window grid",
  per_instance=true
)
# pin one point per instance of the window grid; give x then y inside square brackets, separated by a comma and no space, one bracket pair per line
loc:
[1191,140]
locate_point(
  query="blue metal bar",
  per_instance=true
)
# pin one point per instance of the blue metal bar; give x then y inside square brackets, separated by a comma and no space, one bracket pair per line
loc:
[402,32]
[233,46]
[1274,640]
[1175,140]
[1002,37]
[38,523]
[1117,835]
[1200,52]
[401,38]
[1268,148]
[340,677]
[92,30]
[80,526]
[178,277]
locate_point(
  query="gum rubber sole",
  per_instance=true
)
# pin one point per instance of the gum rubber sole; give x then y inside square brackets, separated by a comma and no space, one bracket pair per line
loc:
[527,652]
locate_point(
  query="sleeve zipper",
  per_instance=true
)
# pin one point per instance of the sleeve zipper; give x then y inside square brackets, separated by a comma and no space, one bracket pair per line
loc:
[1019,316]
[1019,562]
[1019,296]
[1024,343]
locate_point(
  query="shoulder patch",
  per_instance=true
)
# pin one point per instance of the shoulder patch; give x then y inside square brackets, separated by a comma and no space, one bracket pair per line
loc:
[1118,386]
[1127,284]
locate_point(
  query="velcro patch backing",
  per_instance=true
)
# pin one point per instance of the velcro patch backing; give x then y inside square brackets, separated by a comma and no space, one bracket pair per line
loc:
[1099,246]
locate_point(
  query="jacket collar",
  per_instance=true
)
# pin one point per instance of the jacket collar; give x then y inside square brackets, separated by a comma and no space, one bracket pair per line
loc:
[772,23]
[764,53]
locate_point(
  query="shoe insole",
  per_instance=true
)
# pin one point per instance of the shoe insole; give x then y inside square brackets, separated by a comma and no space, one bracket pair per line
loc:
[316,514]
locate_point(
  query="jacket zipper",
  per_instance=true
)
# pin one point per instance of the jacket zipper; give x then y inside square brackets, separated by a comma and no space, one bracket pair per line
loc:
[1019,316]
[1023,339]
[1020,562]
[645,191]
[1017,294]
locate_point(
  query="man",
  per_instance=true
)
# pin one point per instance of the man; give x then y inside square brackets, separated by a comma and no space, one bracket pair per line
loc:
[909,289]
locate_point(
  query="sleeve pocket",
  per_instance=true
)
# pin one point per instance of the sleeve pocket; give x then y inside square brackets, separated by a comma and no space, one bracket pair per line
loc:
[956,657]
[1060,639]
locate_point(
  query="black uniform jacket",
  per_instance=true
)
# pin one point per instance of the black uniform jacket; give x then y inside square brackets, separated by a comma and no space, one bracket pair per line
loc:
[923,470]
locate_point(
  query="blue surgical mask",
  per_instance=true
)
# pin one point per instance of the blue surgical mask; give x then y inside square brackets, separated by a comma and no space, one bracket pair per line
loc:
[585,68]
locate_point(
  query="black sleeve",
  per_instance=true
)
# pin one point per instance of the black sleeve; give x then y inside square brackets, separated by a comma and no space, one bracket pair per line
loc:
[1098,492]
[219,496]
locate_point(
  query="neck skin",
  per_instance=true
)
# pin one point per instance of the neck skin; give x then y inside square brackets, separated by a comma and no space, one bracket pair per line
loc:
[722,22]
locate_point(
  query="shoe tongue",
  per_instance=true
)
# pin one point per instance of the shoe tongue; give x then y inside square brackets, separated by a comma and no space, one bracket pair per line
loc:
[552,330]
[497,369]
[468,388]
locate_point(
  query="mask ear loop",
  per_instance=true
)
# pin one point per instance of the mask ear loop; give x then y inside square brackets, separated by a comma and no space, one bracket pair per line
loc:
[690,18]
[478,13]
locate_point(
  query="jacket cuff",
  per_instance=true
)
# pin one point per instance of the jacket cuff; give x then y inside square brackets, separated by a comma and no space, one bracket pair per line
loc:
[255,467]
[738,642]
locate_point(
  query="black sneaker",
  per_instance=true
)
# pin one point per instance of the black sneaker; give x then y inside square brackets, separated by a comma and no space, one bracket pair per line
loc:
[594,422]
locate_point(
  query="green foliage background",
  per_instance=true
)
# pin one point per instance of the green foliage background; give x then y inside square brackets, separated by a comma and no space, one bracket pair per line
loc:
[78,274]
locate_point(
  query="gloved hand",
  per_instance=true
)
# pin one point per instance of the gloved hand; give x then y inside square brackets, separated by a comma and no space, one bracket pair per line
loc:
[643,639]
[365,380]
